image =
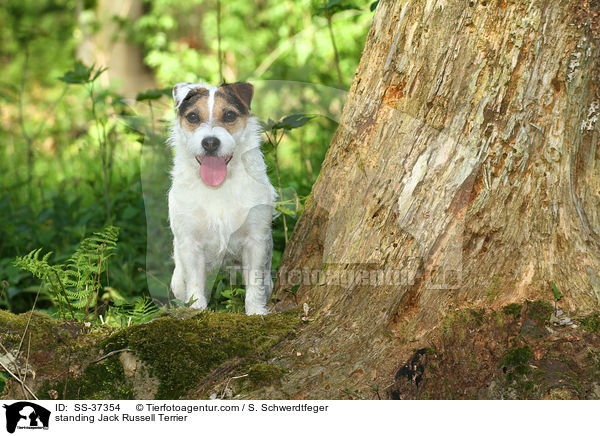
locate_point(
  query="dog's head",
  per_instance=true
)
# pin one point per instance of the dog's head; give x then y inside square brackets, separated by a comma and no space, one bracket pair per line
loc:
[212,121]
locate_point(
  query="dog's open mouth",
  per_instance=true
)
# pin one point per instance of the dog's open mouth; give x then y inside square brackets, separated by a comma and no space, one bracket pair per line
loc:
[213,169]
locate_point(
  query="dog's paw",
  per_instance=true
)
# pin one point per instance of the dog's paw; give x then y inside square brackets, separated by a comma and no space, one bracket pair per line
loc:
[178,285]
[256,301]
[256,310]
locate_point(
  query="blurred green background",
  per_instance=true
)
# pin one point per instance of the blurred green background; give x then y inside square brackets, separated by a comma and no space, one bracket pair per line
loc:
[73,137]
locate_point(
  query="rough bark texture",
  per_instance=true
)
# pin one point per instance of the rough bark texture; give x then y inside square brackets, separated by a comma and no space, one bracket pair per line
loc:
[466,159]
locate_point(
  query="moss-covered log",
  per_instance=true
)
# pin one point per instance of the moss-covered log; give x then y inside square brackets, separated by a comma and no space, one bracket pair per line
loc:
[182,354]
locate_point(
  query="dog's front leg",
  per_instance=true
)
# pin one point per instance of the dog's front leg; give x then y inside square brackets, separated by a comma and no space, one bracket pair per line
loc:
[256,264]
[189,277]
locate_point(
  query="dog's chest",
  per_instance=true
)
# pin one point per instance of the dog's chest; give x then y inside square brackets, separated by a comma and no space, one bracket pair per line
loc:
[217,219]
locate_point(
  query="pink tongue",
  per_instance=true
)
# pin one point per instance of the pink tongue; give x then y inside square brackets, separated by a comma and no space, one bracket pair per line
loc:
[213,170]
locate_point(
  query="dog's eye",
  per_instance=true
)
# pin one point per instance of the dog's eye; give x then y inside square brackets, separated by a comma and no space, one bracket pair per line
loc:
[229,116]
[193,118]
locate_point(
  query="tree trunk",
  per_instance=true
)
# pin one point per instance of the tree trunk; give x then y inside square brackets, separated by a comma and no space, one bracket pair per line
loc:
[464,173]
[109,47]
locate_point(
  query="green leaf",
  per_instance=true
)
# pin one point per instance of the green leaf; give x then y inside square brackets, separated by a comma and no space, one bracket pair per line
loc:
[153,94]
[291,207]
[288,123]
[192,301]
[143,310]
[295,121]
[284,210]
[97,73]
[557,294]
[335,6]
[373,5]
[177,303]
[81,74]
[332,3]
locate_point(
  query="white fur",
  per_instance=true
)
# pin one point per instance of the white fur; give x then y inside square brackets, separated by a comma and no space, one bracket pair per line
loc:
[231,222]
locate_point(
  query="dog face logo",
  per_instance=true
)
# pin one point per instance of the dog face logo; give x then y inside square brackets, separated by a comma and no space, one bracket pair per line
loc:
[24,414]
[212,119]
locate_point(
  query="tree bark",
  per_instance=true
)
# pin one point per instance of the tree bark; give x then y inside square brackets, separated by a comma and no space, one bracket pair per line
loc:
[464,173]
[109,47]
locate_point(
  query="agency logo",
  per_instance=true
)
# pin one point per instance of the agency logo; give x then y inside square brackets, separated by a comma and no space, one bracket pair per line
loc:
[26,415]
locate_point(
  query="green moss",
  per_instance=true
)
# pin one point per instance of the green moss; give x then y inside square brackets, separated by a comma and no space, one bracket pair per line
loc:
[179,352]
[477,315]
[499,318]
[55,345]
[561,394]
[594,357]
[517,356]
[525,388]
[43,329]
[458,322]
[182,313]
[494,287]
[59,345]
[263,374]
[591,323]
[176,350]
[539,310]
[308,202]
[101,381]
[515,364]
[513,309]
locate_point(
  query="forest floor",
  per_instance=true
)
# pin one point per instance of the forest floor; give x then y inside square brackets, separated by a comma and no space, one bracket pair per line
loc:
[523,351]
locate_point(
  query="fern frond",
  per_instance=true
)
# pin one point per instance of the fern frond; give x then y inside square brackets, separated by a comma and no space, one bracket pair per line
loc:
[94,250]
[76,283]
[31,262]
[143,310]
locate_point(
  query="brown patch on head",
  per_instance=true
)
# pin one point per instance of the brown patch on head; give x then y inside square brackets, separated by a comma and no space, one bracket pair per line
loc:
[239,94]
[193,109]
[227,114]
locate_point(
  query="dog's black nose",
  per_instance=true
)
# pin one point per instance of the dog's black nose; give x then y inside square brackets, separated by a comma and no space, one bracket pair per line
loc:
[210,144]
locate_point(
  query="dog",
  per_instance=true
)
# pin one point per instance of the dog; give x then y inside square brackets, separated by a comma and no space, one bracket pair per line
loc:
[221,202]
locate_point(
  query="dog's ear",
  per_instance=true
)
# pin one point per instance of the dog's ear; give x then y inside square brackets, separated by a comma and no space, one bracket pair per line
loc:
[243,90]
[180,91]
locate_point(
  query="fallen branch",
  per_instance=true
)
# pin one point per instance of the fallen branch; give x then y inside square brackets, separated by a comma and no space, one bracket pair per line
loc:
[23,385]
[112,353]
[228,381]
